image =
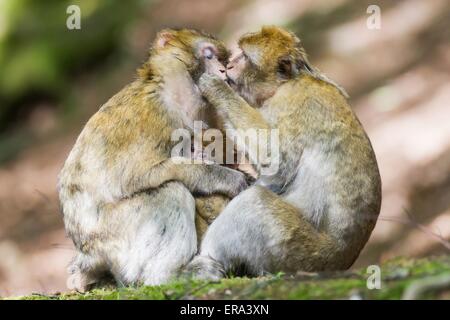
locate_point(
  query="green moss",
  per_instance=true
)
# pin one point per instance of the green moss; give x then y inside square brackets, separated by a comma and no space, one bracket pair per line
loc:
[396,274]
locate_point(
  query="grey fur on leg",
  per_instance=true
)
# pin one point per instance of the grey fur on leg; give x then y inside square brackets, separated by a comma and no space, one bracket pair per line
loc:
[259,232]
[152,235]
[243,239]
[159,239]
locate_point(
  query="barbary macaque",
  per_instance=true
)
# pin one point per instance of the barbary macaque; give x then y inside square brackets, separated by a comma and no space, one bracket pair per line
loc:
[129,206]
[317,211]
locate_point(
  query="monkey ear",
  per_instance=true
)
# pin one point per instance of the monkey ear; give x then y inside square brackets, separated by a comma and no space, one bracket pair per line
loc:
[305,66]
[163,37]
[286,68]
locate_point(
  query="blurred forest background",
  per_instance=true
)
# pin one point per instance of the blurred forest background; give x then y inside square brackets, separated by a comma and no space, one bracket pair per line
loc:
[53,79]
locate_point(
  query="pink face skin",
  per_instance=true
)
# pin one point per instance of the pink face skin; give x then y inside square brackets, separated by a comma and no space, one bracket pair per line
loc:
[212,63]
[236,65]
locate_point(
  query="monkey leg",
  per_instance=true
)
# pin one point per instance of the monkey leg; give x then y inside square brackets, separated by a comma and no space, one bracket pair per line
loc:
[259,232]
[85,271]
[159,235]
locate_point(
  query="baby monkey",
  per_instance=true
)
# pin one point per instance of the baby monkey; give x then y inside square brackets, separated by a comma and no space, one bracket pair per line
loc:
[127,204]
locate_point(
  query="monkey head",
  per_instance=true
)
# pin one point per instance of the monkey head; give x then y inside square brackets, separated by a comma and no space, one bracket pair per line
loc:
[265,60]
[196,51]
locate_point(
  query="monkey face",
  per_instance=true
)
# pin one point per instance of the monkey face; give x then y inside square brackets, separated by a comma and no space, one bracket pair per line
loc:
[198,51]
[210,59]
[237,64]
[265,60]
[246,76]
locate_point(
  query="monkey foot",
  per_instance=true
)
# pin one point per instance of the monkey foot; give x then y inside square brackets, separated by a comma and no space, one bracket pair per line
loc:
[204,268]
[78,282]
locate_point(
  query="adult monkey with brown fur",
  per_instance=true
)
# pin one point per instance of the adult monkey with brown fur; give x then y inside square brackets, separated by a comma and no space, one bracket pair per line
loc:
[319,209]
[127,205]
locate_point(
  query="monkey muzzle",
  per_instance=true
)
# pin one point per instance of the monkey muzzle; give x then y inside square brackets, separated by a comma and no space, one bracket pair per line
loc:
[230,81]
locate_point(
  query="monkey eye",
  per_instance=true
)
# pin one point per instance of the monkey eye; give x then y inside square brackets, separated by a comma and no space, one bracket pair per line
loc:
[208,53]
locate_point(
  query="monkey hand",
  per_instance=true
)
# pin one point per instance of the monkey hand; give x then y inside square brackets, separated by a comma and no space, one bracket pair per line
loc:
[230,182]
[215,89]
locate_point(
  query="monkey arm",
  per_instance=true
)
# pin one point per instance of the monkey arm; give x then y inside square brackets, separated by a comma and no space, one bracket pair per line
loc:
[238,115]
[198,178]
[232,107]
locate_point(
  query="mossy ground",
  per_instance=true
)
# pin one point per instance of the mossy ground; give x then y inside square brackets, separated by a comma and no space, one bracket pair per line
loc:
[396,276]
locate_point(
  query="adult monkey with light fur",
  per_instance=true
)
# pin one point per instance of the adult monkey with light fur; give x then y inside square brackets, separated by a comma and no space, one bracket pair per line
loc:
[318,211]
[127,205]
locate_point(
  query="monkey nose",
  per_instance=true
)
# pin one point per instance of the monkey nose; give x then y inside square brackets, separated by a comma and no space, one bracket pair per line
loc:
[222,70]
[230,81]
